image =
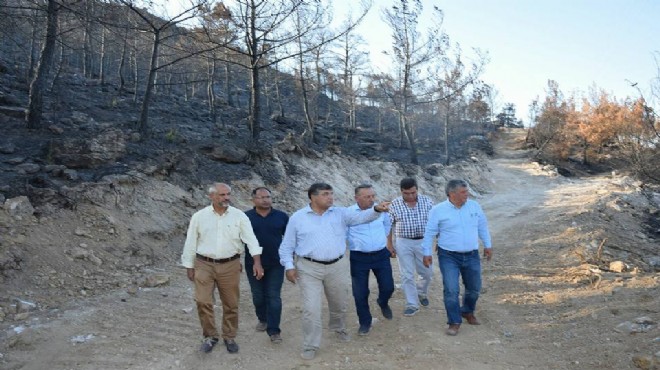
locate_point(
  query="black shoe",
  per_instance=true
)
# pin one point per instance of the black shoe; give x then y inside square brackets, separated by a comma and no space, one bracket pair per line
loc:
[208,344]
[386,311]
[231,345]
[364,330]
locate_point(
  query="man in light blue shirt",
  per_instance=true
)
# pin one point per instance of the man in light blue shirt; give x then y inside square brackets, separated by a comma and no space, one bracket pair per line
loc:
[458,223]
[316,234]
[368,245]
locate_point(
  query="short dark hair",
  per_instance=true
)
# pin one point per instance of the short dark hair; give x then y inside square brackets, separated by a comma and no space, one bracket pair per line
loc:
[362,186]
[254,192]
[314,189]
[452,185]
[408,183]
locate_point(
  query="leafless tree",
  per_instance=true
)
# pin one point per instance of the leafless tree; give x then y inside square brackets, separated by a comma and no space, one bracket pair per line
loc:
[351,59]
[267,30]
[39,82]
[161,30]
[411,53]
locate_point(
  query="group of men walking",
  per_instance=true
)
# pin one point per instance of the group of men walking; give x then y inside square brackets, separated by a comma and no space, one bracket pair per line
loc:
[309,250]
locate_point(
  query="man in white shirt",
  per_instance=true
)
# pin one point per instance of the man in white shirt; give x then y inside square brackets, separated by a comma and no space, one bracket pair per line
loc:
[316,236]
[211,256]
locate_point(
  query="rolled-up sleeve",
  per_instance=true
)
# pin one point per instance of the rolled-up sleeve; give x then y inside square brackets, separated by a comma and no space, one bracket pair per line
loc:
[190,246]
[248,237]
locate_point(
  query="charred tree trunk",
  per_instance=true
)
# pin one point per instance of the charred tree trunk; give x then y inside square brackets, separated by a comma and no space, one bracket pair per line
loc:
[38,85]
[143,124]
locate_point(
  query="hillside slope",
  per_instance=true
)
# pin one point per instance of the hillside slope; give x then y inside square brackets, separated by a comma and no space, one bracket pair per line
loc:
[108,294]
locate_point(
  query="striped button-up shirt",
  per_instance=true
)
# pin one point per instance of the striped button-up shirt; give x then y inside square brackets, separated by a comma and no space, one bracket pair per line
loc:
[320,236]
[409,222]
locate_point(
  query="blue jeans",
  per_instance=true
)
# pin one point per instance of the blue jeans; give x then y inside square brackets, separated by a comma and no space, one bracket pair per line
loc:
[468,266]
[266,296]
[361,265]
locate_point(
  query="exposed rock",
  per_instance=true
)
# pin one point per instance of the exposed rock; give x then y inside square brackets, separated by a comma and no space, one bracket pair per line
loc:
[70,174]
[28,168]
[15,160]
[155,280]
[106,147]
[22,316]
[617,266]
[82,232]
[18,206]
[227,153]
[25,306]
[7,148]
[644,362]
[95,260]
[639,325]
[16,112]
[56,129]
[78,253]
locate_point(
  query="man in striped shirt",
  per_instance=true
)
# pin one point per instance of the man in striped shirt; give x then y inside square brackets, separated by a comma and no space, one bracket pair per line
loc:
[409,215]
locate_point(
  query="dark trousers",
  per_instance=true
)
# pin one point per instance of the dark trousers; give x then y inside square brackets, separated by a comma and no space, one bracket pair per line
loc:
[266,296]
[361,265]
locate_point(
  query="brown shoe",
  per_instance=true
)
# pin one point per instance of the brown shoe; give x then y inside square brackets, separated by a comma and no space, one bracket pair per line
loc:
[470,318]
[453,329]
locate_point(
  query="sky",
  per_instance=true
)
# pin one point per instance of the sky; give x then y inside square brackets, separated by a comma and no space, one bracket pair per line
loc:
[578,43]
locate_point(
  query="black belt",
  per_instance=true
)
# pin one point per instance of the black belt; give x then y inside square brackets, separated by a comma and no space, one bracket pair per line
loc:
[324,262]
[219,260]
[415,238]
[468,252]
[374,252]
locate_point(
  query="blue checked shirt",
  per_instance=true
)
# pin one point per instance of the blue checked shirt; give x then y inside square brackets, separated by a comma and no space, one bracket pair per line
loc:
[321,237]
[457,229]
[371,236]
[409,222]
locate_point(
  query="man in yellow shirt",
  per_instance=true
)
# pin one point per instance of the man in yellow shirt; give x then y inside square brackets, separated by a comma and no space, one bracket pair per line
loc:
[211,256]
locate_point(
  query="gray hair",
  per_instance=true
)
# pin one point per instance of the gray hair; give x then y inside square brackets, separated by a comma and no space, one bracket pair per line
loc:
[214,188]
[453,185]
[362,186]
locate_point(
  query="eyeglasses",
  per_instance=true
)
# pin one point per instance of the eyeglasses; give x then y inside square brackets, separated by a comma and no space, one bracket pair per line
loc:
[263,197]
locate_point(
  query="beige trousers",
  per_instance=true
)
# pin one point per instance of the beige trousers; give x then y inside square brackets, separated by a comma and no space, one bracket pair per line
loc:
[225,276]
[314,280]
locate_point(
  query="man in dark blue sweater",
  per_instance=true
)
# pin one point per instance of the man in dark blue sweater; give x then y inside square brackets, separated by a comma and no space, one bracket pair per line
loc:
[268,225]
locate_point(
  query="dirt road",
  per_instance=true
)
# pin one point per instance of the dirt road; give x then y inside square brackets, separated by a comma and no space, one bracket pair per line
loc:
[533,315]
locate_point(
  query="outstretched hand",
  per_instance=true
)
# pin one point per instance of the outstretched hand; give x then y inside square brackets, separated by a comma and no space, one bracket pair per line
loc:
[382,207]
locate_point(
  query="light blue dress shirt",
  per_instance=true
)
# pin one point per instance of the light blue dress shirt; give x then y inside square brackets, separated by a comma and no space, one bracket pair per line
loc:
[369,237]
[457,229]
[321,237]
